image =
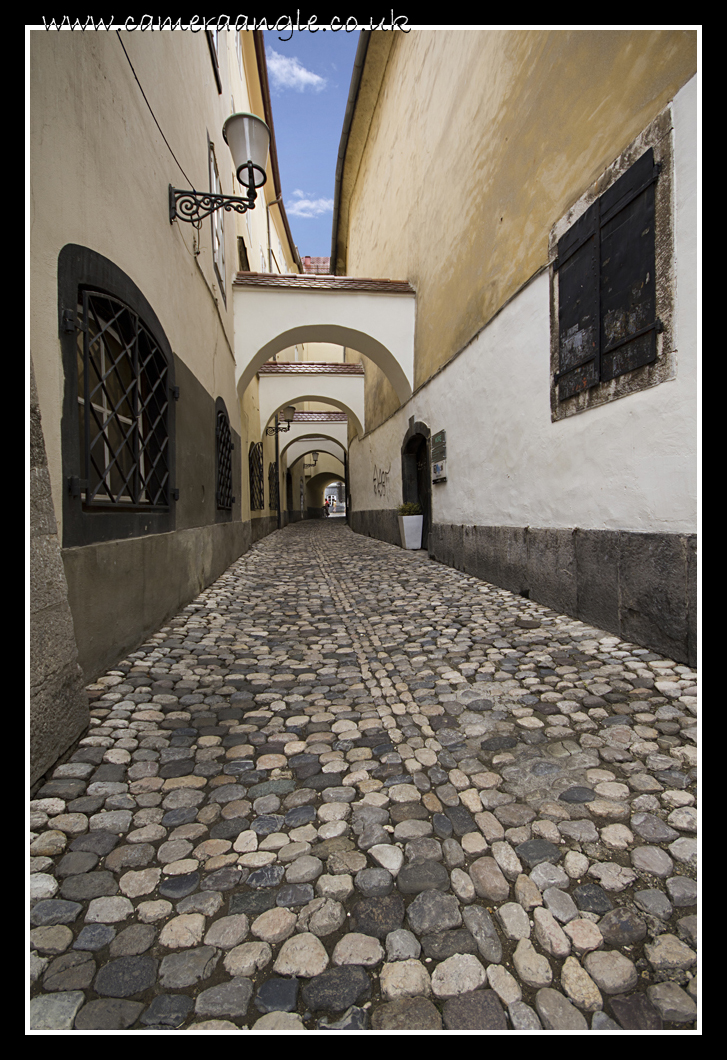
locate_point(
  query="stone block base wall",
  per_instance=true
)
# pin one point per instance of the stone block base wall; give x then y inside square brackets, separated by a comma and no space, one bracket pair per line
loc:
[380,523]
[260,528]
[640,586]
[58,702]
[145,580]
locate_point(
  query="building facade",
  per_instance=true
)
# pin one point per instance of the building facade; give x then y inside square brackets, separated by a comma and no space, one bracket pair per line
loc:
[153,469]
[508,333]
[538,190]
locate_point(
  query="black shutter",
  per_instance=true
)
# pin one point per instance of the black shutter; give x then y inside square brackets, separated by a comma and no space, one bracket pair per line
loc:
[628,283]
[578,258]
[606,265]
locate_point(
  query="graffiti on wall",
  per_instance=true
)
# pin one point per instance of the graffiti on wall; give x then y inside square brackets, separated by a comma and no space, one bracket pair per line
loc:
[381,480]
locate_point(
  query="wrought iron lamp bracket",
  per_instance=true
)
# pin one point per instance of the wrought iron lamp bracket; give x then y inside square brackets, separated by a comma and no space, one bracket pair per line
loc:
[277,430]
[194,206]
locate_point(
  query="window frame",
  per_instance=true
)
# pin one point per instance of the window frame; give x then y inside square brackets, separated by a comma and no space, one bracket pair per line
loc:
[256,476]
[224,460]
[217,222]
[123,436]
[657,137]
[81,269]
[213,39]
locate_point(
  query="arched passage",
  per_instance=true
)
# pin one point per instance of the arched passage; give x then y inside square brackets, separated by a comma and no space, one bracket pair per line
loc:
[303,446]
[316,488]
[333,426]
[376,318]
[275,395]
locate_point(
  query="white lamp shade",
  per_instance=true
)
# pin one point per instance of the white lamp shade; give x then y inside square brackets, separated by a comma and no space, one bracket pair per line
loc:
[315,457]
[288,413]
[248,138]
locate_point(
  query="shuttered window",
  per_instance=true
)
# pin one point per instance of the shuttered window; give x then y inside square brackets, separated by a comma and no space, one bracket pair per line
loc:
[607,321]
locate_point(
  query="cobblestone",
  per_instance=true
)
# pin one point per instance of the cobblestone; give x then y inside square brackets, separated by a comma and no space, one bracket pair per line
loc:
[350,788]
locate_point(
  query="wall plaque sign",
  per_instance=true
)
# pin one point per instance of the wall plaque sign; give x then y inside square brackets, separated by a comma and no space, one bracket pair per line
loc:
[439,456]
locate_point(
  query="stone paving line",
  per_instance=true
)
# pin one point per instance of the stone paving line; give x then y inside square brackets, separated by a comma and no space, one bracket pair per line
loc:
[349,788]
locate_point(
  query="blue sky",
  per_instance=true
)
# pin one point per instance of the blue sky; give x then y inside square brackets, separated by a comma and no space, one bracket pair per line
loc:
[309,76]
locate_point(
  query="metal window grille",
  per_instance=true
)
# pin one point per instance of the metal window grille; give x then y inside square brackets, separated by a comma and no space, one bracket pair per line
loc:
[257,480]
[273,487]
[123,402]
[225,446]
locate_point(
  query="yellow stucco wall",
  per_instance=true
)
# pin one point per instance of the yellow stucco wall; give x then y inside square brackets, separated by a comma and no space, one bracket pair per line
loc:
[100,170]
[475,143]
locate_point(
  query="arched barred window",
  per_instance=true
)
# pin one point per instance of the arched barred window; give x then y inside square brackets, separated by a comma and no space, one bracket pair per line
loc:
[123,404]
[223,448]
[119,405]
[257,481]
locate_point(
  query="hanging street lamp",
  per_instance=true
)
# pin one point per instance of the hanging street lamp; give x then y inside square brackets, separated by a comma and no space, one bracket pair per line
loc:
[248,138]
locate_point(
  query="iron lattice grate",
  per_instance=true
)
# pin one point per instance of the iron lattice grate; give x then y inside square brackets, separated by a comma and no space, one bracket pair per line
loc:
[225,498]
[123,399]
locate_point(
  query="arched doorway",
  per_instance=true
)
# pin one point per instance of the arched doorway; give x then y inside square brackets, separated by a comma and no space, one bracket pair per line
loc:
[416,476]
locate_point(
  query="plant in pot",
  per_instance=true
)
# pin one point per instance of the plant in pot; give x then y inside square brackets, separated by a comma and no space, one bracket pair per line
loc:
[411,519]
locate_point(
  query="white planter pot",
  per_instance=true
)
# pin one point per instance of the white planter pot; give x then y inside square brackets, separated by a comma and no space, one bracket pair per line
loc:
[410,529]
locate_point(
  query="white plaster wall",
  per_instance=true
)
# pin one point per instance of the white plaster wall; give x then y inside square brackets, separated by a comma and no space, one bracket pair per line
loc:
[301,449]
[380,325]
[345,392]
[375,464]
[630,464]
[337,430]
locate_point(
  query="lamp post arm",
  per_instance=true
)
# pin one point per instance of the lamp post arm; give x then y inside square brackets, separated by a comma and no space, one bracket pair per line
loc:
[194,206]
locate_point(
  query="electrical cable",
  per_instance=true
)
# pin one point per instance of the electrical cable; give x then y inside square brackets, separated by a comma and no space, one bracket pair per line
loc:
[118,34]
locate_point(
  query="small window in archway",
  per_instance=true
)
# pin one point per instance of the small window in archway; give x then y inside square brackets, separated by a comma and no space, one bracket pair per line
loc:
[224,446]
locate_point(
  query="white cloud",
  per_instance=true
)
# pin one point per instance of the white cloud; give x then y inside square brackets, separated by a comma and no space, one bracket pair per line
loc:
[288,73]
[305,207]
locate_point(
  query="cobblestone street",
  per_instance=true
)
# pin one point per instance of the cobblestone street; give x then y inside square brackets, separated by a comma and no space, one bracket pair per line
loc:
[348,787]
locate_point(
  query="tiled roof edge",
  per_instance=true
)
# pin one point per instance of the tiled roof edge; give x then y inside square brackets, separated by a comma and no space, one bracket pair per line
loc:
[321,283]
[308,367]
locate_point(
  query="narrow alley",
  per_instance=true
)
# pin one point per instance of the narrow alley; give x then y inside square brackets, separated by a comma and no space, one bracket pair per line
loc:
[351,788]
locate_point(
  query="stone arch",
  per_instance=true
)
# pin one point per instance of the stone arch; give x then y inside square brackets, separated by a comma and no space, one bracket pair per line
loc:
[316,487]
[340,335]
[268,410]
[309,443]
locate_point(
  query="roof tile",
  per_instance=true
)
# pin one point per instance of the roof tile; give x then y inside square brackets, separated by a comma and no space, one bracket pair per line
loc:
[321,283]
[310,367]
